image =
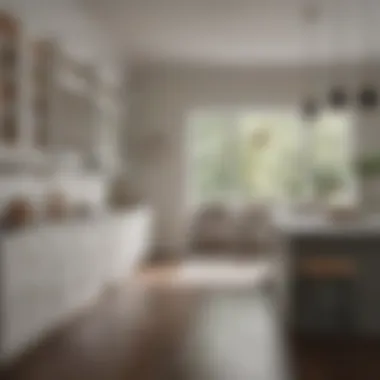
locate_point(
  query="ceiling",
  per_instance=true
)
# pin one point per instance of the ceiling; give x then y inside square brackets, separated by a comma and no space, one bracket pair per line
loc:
[243,32]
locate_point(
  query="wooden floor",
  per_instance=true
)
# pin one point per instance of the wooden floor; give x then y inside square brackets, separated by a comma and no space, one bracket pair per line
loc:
[224,329]
[336,359]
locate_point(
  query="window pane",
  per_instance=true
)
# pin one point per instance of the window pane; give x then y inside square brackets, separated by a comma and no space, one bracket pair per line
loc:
[332,169]
[212,171]
[269,154]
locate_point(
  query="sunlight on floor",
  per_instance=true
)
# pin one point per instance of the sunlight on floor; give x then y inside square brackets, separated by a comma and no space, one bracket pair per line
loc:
[211,273]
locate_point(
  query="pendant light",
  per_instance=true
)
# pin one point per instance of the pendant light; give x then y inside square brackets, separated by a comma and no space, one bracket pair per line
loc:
[337,97]
[367,95]
[310,106]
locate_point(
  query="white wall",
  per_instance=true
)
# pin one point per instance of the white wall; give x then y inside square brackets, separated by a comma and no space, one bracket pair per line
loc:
[161,98]
[79,33]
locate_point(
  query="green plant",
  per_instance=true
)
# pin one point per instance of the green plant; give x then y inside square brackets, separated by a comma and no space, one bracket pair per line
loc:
[369,166]
[327,180]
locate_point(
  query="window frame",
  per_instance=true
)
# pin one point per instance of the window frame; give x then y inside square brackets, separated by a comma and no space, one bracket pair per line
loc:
[306,130]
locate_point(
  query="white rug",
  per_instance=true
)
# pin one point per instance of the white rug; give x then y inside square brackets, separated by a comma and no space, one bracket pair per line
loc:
[227,272]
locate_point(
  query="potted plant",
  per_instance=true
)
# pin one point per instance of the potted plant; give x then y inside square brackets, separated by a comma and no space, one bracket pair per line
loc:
[368,173]
[368,166]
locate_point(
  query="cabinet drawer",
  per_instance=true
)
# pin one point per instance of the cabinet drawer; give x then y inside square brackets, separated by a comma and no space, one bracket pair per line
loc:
[326,293]
[327,266]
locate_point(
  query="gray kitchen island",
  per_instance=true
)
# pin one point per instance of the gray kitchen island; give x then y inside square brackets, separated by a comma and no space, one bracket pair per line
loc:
[333,276]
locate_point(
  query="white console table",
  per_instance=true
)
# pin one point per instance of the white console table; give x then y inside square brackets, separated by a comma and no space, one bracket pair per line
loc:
[48,272]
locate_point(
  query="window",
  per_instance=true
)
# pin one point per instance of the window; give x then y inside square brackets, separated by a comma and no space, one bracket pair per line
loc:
[270,155]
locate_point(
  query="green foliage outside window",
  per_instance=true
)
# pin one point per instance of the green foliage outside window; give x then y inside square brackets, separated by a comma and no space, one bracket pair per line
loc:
[263,155]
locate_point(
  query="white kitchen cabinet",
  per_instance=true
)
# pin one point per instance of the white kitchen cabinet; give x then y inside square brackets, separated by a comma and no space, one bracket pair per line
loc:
[51,101]
[51,271]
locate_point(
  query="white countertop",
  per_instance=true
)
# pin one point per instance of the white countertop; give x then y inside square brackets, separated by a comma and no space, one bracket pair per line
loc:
[318,225]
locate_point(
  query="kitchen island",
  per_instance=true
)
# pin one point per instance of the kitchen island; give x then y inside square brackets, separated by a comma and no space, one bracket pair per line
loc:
[333,276]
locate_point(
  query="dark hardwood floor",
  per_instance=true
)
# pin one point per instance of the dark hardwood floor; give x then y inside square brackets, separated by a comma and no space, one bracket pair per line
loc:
[154,331]
[336,358]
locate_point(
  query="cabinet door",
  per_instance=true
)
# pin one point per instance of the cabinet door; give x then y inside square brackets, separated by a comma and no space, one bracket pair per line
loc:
[326,306]
[326,289]
[369,293]
[10,84]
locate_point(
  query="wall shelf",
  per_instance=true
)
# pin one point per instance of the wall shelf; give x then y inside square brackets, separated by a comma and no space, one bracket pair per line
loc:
[50,101]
